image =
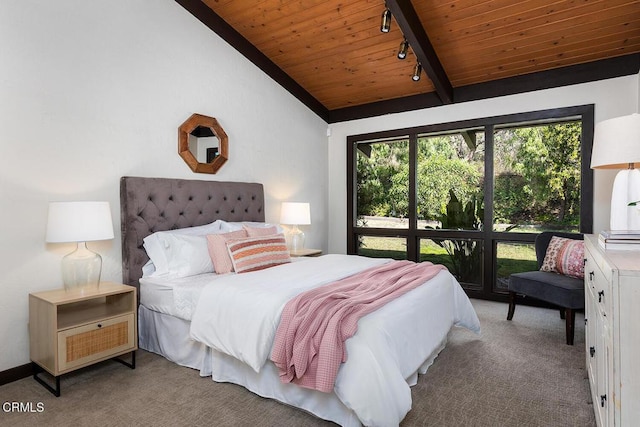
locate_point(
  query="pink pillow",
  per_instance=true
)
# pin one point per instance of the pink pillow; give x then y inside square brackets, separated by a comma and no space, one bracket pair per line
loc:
[258,253]
[564,256]
[217,245]
[260,231]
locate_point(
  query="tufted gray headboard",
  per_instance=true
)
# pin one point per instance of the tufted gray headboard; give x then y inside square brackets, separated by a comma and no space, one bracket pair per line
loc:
[148,205]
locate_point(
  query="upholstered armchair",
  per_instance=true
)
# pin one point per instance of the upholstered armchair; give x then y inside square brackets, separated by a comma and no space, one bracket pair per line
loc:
[562,284]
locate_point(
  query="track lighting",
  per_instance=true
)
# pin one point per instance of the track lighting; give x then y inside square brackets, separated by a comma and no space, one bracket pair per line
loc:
[386,21]
[416,72]
[404,47]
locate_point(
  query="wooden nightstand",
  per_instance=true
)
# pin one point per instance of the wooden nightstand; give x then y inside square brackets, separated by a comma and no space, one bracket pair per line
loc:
[72,329]
[306,252]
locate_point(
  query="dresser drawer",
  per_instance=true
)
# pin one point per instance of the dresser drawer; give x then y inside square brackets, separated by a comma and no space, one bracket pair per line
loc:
[89,343]
[599,283]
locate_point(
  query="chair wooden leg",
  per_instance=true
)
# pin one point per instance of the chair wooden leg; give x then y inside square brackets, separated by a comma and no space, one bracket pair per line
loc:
[570,315]
[512,305]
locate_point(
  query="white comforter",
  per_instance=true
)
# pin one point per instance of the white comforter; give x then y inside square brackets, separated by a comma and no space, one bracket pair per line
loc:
[238,315]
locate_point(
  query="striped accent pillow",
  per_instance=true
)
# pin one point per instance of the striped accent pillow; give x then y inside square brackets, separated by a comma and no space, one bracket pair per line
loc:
[258,253]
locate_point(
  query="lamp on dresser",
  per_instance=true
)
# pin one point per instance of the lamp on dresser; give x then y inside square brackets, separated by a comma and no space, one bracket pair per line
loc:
[80,222]
[295,214]
[616,145]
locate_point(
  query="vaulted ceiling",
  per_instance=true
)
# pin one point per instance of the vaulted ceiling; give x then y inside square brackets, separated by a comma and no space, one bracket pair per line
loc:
[333,56]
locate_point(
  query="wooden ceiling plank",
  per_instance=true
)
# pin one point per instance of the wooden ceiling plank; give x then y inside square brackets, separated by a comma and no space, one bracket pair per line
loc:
[307,23]
[392,75]
[385,90]
[349,93]
[554,41]
[492,26]
[615,48]
[354,97]
[364,54]
[367,33]
[596,18]
[405,15]
[571,52]
[241,11]
[553,47]
[347,54]
[585,55]
[489,11]
[329,50]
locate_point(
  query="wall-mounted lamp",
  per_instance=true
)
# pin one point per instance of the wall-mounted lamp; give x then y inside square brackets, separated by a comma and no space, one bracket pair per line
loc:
[402,51]
[385,26]
[416,72]
[79,222]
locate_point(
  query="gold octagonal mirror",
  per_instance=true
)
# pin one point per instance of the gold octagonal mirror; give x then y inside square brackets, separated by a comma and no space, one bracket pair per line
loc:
[203,144]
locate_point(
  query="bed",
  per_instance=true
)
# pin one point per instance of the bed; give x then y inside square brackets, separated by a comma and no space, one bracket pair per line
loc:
[202,322]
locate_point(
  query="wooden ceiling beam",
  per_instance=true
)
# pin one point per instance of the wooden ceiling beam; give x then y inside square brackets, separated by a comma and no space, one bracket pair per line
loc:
[410,25]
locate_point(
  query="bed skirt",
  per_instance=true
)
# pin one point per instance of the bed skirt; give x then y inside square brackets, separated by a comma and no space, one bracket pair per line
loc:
[168,336]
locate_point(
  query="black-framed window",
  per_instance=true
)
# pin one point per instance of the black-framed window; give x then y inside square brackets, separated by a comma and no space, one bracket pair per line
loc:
[471,194]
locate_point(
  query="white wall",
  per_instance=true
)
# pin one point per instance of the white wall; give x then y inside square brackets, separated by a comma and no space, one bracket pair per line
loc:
[94,90]
[612,98]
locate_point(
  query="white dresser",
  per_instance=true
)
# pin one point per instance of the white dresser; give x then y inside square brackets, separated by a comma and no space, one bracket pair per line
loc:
[612,318]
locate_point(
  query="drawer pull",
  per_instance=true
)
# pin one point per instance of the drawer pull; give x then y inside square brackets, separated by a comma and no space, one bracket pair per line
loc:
[591,274]
[603,398]
[592,350]
[99,325]
[600,296]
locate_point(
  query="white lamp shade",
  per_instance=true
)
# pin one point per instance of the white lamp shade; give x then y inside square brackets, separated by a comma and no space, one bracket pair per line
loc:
[79,222]
[616,143]
[295,213]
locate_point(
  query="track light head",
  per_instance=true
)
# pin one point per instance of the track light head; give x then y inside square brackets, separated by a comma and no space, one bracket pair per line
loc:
[416,72]
[402,51]
[385,26]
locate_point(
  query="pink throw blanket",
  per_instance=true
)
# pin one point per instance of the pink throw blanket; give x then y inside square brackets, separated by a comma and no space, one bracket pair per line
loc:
[309,344]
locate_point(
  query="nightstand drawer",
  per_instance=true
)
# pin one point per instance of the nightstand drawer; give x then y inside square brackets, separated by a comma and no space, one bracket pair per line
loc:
[95,341]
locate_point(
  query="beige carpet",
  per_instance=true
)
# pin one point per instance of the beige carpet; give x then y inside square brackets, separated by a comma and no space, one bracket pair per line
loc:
[518,373]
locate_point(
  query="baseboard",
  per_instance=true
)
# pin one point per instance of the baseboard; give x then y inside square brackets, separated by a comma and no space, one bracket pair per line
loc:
[15,374]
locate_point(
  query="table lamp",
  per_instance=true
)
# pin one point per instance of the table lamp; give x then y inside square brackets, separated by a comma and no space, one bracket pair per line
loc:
[295,214]
[80,222]
[616,145]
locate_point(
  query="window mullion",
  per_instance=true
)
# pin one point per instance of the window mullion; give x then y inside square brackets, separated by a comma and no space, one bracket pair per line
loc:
[487,225]
[412,241]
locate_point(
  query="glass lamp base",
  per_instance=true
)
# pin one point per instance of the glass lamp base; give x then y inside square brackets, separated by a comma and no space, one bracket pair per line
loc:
[296,239]
[81,268]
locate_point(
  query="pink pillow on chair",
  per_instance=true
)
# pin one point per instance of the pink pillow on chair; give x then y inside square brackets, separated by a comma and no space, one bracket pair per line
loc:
[564,256]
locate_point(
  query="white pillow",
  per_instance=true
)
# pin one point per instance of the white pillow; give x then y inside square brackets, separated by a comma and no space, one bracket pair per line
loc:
[235,226]
[156,249]
[186,255]
[149,268]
